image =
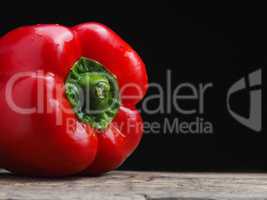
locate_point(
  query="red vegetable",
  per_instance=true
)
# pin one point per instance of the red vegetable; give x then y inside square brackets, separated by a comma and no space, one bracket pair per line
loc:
[99,71]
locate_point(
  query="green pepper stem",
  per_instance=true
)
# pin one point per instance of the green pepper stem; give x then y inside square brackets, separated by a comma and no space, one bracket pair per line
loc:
[97,100]
[96,89]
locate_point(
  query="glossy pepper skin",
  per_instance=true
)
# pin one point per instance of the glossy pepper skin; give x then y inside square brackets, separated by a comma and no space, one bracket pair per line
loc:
[33,144]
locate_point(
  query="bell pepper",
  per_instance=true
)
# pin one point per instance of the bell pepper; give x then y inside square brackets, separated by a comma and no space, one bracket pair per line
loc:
[91,125]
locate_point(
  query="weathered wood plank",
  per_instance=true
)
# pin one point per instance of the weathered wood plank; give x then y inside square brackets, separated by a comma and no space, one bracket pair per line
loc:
[137,185]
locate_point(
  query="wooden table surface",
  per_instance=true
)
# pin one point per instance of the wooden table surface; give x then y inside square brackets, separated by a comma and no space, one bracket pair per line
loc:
[137,185]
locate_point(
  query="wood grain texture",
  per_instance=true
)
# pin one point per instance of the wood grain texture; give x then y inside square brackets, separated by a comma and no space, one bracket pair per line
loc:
[137,185]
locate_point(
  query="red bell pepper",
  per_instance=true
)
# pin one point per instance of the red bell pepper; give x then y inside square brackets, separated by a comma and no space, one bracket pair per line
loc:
[103,79]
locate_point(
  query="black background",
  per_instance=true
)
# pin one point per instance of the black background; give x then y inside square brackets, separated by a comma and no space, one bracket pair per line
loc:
[200,44]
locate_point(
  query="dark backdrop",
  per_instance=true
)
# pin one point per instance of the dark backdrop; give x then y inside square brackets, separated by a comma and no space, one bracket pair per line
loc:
[199,45]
